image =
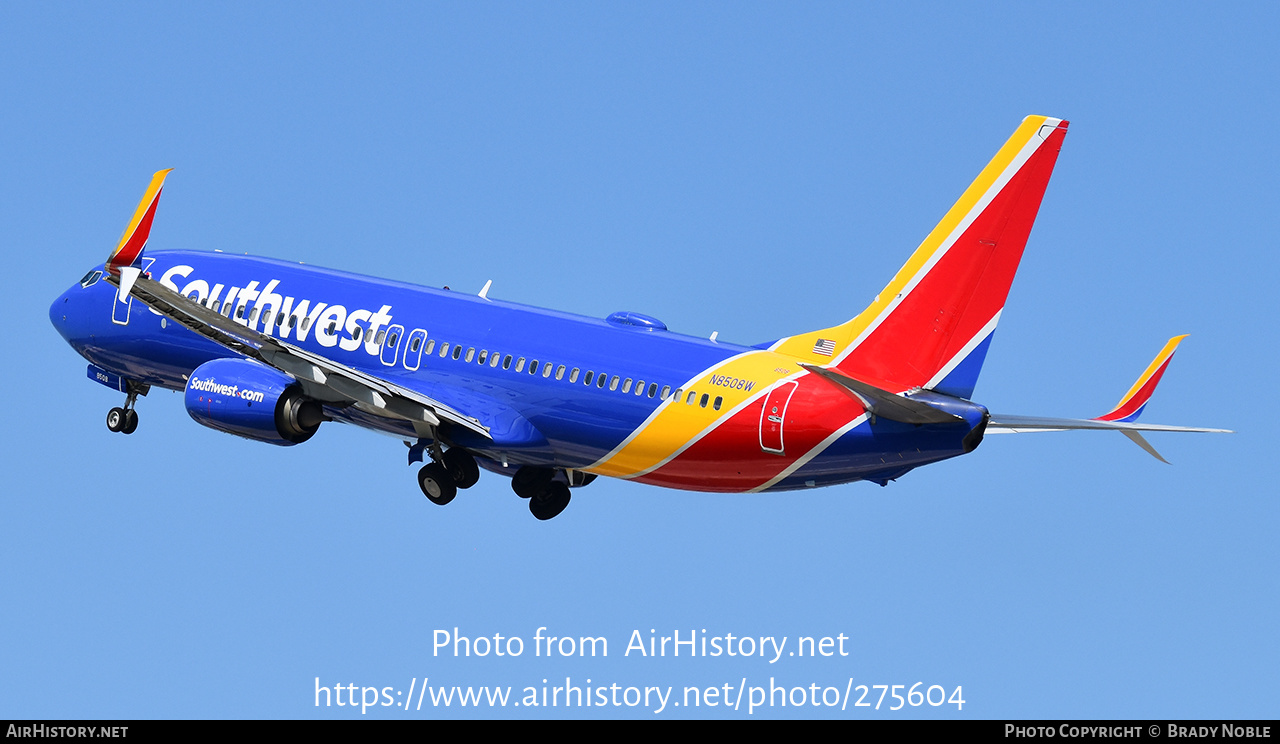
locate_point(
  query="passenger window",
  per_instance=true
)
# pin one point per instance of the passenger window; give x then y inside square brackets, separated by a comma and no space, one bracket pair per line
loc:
[533,367]
[333,328]
[546,370]
[716,404]
[306,323]
[216,306]
[253,317]
[431,346]
[393,339]
[457,352]
[653,389]
[484,357]
[626,385]
[666,390]
[613,384]
[600,380]
[293,322]
[587,379]
[471,353]
[355,332]
[560,373]
[240,313]
[444,349]
[266,320]
[414,346]
[378,340]
[506,363]
[573,375]
[692,397]
[703,401]
[640,387]
[493,359]
[520,364]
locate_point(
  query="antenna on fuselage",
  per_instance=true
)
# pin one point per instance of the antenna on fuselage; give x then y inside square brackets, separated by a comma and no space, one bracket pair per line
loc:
[484,293]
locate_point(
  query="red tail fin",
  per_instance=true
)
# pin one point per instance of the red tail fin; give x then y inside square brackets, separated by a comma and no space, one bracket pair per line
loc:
[930,326]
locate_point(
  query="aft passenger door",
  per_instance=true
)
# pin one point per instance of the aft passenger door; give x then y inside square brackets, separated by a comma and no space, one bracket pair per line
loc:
[773,415]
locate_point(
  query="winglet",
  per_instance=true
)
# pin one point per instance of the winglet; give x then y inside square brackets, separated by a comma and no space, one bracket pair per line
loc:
[1131,405]
[135,235]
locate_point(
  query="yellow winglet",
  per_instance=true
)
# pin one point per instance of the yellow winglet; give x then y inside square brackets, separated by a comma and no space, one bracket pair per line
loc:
[135,235]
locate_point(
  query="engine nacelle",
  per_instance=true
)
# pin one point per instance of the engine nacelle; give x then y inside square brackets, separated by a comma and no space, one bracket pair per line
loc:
[251,400]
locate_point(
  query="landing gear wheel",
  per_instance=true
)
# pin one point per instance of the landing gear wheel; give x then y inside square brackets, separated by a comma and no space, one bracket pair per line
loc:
[116,419]
[130,421]
[550,502]
[436,484]
[462,467]
[530,481]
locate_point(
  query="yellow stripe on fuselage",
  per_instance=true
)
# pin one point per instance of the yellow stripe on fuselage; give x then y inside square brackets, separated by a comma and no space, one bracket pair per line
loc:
[801,346]
[677,424]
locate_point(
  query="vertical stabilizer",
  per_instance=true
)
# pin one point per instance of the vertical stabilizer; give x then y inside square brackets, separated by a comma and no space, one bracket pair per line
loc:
[931,325]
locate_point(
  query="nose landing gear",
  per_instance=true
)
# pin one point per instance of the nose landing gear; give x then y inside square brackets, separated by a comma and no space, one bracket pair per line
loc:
[125,420]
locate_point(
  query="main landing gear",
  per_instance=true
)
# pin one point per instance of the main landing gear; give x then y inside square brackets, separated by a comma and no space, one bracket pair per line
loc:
[547,489]
[547,495]
[125,420]
[448,471]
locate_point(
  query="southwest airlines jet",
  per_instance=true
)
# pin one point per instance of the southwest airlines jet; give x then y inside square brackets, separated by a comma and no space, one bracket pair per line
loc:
[271,350]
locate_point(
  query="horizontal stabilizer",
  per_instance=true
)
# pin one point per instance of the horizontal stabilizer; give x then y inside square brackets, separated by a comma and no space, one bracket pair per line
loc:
[1001,424]
[1037,423]
[882,403]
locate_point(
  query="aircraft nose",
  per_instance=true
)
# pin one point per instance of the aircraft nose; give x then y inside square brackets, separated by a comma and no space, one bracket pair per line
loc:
[60,312]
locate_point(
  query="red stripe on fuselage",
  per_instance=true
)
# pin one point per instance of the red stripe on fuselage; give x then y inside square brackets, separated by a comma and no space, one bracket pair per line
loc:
[729,458]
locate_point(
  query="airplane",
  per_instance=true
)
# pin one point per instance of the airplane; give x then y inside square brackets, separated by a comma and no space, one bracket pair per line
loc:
[270,350]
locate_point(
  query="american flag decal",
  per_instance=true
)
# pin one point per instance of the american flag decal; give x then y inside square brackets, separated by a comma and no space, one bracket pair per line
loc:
[825,347]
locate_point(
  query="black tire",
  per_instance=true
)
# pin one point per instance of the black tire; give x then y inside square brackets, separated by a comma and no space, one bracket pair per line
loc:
[530,481]
[462,467]
[436,484]
[130,421]
[550,502]
[115,419]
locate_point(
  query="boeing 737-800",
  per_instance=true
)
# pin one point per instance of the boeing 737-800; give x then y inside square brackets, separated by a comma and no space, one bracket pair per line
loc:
[270,350]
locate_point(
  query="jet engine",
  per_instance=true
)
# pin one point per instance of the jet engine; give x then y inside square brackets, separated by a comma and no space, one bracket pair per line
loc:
[252,400]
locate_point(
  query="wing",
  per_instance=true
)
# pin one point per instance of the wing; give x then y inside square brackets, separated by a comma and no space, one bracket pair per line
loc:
[339,382]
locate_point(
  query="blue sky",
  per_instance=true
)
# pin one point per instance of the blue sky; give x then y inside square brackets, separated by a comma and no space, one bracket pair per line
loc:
[752,169]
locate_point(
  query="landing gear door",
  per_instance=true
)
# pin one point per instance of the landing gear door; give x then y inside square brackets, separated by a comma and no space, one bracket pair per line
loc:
[773,415]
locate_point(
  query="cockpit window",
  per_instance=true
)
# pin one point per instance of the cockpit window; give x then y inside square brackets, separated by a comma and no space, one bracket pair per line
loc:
[91,278]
